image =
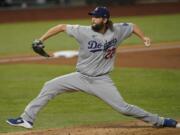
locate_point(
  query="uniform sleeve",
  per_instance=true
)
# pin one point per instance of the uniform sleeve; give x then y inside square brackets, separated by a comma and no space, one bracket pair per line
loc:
[73,30]
[124,30]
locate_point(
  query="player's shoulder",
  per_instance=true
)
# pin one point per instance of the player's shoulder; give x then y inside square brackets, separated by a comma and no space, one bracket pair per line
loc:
[80,28]
[122,24]
[77,26]
[85,27]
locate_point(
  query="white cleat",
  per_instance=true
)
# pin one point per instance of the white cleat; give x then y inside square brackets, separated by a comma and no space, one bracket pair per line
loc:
[19,122]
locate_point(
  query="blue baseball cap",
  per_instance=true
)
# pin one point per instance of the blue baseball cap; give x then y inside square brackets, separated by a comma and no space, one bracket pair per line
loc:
[100,12]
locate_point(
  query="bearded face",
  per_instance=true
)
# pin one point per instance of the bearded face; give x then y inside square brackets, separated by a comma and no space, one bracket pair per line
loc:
[97,24]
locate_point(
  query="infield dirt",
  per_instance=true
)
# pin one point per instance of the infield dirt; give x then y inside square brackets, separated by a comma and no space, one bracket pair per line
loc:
[121,128]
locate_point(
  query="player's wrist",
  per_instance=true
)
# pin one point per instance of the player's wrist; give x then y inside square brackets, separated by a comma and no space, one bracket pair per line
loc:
[40,40]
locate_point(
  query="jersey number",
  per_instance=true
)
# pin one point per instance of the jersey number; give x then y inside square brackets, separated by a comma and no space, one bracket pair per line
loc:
[110,53]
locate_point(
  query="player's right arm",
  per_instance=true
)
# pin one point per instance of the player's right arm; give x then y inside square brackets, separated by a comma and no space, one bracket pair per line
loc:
[53,31]
[137,31]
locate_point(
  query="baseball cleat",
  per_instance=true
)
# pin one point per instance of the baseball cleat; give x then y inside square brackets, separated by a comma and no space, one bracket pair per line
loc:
[19,122]
[170,123]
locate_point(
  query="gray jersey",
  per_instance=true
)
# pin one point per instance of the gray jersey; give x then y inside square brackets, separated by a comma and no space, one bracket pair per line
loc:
[97,51]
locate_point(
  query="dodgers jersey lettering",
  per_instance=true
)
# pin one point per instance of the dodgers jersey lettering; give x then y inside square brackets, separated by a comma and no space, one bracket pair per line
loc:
[97,51]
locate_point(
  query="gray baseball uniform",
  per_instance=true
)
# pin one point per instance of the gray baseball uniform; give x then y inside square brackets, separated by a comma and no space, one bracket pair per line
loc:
[95,61]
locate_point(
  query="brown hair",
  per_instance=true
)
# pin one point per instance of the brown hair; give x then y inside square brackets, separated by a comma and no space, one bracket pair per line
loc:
[109,24]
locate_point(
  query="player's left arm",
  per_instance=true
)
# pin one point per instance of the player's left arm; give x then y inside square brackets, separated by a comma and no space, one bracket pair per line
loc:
[138,32]
[53,31]
[38,45]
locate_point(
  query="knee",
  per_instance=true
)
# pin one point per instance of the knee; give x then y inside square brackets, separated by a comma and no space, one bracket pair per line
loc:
[126,109]
[48,85]
[49,88]
[51,85]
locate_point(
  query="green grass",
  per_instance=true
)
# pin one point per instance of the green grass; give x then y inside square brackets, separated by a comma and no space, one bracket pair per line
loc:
[16,38]
[154,90]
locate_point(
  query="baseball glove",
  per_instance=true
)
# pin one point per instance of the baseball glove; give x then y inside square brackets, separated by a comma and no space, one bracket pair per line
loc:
[38,47]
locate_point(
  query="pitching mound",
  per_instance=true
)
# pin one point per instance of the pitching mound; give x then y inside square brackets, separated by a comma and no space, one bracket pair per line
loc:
[128,128]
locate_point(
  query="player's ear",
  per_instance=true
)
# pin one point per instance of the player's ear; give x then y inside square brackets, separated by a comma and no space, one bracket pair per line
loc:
[105,20]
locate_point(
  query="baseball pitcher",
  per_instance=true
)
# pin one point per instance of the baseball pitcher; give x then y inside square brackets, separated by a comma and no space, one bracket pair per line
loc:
[97,48]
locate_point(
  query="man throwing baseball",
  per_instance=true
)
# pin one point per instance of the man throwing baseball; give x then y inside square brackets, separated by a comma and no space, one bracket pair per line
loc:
[97,48]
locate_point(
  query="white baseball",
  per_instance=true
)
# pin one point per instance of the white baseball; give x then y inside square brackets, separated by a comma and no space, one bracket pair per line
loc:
[147,41]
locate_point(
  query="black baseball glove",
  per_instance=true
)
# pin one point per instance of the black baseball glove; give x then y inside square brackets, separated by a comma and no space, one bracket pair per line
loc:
[38,47]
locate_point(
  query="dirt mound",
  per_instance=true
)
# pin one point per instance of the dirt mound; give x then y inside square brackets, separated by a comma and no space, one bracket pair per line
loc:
[128,128]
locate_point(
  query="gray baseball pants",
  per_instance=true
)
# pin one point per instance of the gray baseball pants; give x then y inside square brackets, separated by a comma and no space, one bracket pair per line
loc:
[101,87]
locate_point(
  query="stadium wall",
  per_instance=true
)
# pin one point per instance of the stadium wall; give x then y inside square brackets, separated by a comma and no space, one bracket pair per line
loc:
[24,15]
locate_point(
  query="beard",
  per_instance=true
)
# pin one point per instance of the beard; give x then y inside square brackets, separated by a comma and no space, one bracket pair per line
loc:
[97,27]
